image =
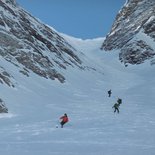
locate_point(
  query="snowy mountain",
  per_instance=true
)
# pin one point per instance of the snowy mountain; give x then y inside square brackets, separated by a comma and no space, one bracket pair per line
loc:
[35,104]
[133,32]
[32,46]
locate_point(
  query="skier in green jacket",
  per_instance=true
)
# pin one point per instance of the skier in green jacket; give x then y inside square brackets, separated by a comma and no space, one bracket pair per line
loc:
[116,107]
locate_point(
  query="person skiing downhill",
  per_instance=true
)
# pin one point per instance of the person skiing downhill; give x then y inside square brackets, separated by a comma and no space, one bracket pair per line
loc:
[64,119]
[116,107]
[109,92]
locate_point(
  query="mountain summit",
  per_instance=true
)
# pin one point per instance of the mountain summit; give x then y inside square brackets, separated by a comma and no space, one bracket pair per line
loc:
[133,31]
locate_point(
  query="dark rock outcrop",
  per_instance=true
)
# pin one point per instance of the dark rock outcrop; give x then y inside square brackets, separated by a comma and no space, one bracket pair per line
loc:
[3,108]
[133,27]
[33,46]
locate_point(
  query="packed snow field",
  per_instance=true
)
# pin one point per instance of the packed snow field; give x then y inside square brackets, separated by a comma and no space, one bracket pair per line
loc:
[36,104]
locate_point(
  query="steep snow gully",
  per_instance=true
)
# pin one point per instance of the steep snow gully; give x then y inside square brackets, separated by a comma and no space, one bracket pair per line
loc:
[36,104]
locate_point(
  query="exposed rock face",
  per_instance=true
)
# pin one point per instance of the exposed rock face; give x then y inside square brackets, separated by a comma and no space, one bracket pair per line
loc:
[13,2]
[3,108]
[132,30]
[32,46]
[5,77]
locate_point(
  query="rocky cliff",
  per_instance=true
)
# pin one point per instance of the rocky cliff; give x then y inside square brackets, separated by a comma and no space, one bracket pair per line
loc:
[32,46]
[133,32]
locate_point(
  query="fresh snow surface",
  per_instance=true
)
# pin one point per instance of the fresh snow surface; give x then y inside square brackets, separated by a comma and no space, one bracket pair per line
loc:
[36,104]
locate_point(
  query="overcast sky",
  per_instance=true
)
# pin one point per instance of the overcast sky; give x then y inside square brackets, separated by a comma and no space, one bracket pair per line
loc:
[84,19]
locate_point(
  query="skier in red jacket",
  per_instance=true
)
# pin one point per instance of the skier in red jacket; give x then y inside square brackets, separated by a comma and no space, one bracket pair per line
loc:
[64,119]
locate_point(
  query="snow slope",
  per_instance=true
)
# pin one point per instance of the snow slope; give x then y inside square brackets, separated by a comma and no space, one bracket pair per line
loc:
[36,104]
